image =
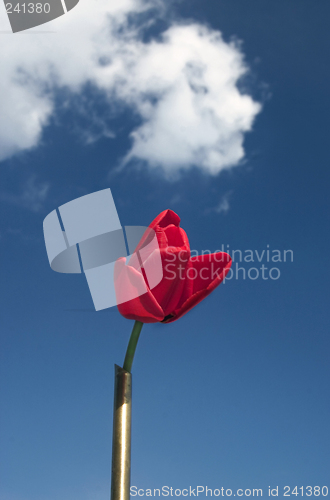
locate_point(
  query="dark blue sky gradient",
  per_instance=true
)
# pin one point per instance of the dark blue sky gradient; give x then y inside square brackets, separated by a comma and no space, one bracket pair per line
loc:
[236,393]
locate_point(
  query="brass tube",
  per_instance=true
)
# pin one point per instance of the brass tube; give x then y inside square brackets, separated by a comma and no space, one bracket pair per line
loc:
[121,439]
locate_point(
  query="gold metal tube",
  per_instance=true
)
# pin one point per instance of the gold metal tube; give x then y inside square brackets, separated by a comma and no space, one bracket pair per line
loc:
[121,439]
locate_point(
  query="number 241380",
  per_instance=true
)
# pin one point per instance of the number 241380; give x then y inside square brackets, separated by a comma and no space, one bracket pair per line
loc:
[309,491]
[28,8]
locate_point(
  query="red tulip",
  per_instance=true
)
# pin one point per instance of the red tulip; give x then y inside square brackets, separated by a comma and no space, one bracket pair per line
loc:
[186,280]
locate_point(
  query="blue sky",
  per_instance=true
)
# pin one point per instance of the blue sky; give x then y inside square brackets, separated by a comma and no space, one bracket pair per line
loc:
[236,393]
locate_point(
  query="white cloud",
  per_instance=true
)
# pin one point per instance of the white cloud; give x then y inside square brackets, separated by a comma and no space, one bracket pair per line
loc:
[183,85]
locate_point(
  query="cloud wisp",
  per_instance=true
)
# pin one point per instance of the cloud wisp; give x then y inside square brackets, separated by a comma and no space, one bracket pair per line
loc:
[182,84]
[31,197]
[223,205]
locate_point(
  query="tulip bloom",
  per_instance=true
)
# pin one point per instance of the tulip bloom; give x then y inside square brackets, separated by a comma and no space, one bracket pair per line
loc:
[186,280]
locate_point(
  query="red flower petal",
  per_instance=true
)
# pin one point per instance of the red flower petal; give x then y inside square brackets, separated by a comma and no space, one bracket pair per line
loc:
[129,282]
[169,291]
[176,237]
[165,218]
[203,276]
[181,282]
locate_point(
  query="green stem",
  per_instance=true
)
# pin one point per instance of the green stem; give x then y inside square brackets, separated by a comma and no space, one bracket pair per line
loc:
[132,345]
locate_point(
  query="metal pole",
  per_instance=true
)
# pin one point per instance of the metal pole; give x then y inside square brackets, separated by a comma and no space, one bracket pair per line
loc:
[121,439]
